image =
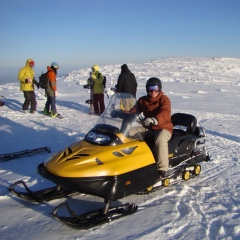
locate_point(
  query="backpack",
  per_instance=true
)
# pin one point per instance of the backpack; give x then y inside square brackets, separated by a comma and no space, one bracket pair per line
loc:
[43,80]
[104,80]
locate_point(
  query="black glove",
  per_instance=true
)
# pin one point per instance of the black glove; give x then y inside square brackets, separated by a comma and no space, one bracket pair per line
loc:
[28,80]
[114,113]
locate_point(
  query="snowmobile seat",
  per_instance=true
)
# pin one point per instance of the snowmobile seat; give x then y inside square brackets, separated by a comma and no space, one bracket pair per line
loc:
[184,127]
[183,121]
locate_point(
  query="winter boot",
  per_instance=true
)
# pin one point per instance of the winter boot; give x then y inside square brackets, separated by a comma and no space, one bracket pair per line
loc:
[53,115]
[45,111]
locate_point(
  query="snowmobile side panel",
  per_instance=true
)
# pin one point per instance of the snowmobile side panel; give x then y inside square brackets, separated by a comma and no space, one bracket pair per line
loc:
[107,187]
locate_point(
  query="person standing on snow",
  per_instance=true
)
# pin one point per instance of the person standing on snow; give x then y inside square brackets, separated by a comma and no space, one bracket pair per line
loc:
[27,81]
[98,89]
[51,91]
[127,83]
[156,108]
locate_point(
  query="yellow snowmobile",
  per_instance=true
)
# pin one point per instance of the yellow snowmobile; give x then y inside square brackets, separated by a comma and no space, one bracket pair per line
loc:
[116,159]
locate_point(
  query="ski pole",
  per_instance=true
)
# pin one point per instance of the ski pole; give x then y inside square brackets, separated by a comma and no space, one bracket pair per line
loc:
[107,94]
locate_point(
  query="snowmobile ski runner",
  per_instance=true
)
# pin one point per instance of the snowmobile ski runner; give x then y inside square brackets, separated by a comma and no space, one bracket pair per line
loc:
[41,195]
[115,160]
[95,217]
[24,153]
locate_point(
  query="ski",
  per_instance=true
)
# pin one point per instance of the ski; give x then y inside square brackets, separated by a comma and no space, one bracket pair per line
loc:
[24,153]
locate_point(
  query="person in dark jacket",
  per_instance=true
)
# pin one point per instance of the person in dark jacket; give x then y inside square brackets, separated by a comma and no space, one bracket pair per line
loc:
[126,81]
[51,91]
[127,84]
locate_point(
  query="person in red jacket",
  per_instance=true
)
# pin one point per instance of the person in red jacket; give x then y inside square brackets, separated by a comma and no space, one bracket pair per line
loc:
[156,108]
[51,91]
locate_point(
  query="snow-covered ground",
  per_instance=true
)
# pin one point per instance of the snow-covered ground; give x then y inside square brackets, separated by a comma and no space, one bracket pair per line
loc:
[206,207]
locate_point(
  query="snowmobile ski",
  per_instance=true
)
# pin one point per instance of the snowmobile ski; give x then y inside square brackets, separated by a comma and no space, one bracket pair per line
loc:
[44,195]
[24,153]
[93,218]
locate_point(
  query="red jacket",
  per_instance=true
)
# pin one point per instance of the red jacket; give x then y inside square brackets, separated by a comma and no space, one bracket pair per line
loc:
[52,83]
[52,78]
[158,107]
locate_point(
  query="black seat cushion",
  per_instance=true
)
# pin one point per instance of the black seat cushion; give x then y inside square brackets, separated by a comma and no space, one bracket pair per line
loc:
[185,120]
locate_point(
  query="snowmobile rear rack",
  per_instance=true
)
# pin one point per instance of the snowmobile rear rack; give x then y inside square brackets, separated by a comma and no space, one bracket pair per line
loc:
[41,195]
[95,217]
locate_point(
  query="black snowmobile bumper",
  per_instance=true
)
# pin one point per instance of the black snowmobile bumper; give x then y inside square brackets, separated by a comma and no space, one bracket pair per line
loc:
[107,187]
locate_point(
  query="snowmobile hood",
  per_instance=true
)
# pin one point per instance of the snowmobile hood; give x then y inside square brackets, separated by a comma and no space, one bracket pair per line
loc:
[87,160]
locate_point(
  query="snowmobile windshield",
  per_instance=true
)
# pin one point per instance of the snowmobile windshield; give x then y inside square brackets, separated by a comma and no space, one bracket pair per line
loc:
[117,114]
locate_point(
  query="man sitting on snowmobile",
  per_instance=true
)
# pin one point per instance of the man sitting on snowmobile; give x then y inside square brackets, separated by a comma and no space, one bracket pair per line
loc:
[156,108]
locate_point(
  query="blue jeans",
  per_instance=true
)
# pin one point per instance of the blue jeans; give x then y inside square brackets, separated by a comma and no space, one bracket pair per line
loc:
[51,102]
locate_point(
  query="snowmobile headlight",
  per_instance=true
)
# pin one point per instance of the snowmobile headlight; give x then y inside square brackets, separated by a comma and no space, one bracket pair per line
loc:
[98,138]
[101,138]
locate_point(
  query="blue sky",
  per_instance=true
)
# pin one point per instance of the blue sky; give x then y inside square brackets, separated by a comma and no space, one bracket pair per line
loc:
[80,33]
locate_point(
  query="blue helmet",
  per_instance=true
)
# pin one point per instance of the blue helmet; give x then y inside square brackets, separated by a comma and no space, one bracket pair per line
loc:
[55,65]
